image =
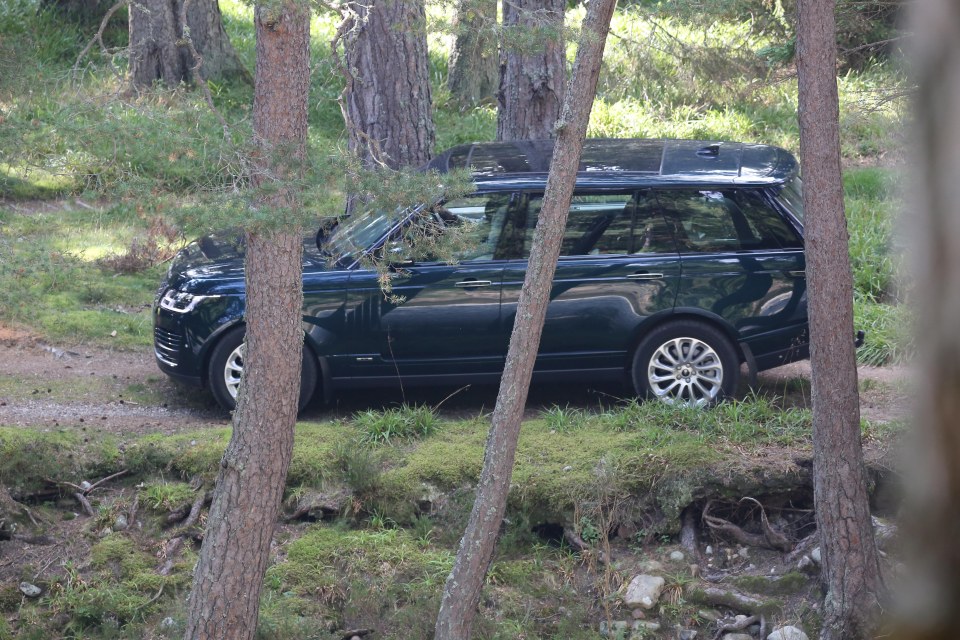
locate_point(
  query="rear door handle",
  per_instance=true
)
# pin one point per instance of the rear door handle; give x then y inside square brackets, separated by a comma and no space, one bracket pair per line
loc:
[797,274]
[469,284]
[645,276]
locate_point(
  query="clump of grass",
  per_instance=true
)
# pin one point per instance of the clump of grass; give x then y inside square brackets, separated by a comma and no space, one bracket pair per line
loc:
[563,419]
[167,496]
[399,423]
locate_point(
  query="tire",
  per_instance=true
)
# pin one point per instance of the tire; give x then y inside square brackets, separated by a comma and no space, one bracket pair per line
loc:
[701,351]
[226,365]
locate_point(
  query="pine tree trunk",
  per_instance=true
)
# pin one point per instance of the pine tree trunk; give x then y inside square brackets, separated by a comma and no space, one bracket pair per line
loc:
[932,517]
[225,598]
[156,28]
[850,570]
[531,82]
[387,101]
[461,593]
[473,66]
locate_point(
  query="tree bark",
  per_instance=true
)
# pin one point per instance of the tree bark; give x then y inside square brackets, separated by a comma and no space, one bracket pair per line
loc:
[473,66]
[851,572]
[387,102]
[225,598]
[461,593]
[933,517]
[156,51]
[531,81]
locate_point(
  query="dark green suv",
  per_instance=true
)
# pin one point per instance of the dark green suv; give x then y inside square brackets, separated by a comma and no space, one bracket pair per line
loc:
[681,261]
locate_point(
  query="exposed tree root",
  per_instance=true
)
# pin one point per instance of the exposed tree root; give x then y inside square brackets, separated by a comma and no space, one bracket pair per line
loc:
[173,546]
[769,539]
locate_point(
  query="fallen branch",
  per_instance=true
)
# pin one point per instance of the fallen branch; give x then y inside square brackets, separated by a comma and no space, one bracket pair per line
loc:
[580,545]
[82,499]
[729,598]
[771,539]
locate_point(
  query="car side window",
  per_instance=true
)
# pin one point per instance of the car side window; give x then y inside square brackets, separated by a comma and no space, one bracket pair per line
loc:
[707,221]
[479,220]
[597,224]
[765,218]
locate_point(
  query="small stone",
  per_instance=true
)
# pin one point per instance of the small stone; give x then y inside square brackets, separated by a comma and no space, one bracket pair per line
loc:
[646,625]
[815,555]
[806,564]
[644,591]
[120,524]
[737,636]
[106,532]
[708,551]
[638,614]
[167,623]
[687,634]
[86,486]
[30,590]
[568,468]
[787,633]
[709,615]
[694,571]
[743,552]
[676,556]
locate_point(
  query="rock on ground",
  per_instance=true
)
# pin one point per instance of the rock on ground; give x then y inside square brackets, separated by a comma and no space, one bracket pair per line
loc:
[644,591]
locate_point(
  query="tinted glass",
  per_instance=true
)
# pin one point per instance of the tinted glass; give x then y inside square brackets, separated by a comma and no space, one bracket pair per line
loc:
[706,221]
[479,220]
[598,224]
[764,217]
[791,196]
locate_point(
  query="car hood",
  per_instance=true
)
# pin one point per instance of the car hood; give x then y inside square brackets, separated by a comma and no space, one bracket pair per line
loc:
[214,263]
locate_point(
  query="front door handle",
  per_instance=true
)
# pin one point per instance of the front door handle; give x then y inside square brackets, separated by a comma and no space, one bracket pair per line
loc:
[800,273]
[645,275]
[469,284]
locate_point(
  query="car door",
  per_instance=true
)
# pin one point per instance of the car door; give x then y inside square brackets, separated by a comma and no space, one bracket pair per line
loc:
[441,319]
[740,261]
[618,266]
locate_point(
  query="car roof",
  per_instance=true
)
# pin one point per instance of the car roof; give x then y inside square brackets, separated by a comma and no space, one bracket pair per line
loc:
[625,162]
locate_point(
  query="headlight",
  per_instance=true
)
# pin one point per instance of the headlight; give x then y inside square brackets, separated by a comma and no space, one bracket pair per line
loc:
[181,301]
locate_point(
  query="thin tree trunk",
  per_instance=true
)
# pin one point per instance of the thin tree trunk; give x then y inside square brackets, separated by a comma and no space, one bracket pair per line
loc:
[933,519]
[531,82]
[473,67]
[851,572]
[461,593]
[225,598]
[387,102]
[156,49]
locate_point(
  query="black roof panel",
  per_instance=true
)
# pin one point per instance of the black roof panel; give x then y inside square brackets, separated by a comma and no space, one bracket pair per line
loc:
[605,160]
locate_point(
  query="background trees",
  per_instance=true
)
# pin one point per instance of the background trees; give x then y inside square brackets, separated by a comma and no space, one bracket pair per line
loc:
[387,97]
[473,64]
[157,52]
[532,69]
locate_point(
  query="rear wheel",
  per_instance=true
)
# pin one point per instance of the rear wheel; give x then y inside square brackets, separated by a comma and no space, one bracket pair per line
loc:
[686,363]
[226,368]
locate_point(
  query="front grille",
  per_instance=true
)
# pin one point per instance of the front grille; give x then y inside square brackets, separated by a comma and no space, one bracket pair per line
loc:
[167,345]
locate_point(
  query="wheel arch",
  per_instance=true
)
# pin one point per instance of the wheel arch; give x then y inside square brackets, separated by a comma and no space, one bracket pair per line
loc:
[683,313]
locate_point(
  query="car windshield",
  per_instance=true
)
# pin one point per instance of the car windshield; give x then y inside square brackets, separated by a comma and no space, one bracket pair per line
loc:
[791,197]
[358,232]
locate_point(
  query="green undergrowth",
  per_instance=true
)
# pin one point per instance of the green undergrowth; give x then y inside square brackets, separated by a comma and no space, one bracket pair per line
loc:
[382,560]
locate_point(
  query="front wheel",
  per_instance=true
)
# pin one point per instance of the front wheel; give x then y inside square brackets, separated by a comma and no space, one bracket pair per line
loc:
[686,363]
[226,368]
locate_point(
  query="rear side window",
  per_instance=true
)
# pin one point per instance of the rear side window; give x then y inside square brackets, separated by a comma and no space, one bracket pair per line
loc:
[709,221]
[479,221]
[598,224]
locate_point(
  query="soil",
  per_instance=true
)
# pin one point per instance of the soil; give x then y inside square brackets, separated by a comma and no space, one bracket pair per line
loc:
[58,385]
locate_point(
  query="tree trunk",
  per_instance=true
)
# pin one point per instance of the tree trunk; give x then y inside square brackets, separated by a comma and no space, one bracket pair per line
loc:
[473,66]
[933,517]
[387,99]
[851,572]
[225,597]
[461,593]
[531,80]
[155,30]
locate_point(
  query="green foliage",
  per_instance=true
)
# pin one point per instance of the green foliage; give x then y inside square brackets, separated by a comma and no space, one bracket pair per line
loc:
[32,458]
[166,496]
[400,423]
[565,418]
